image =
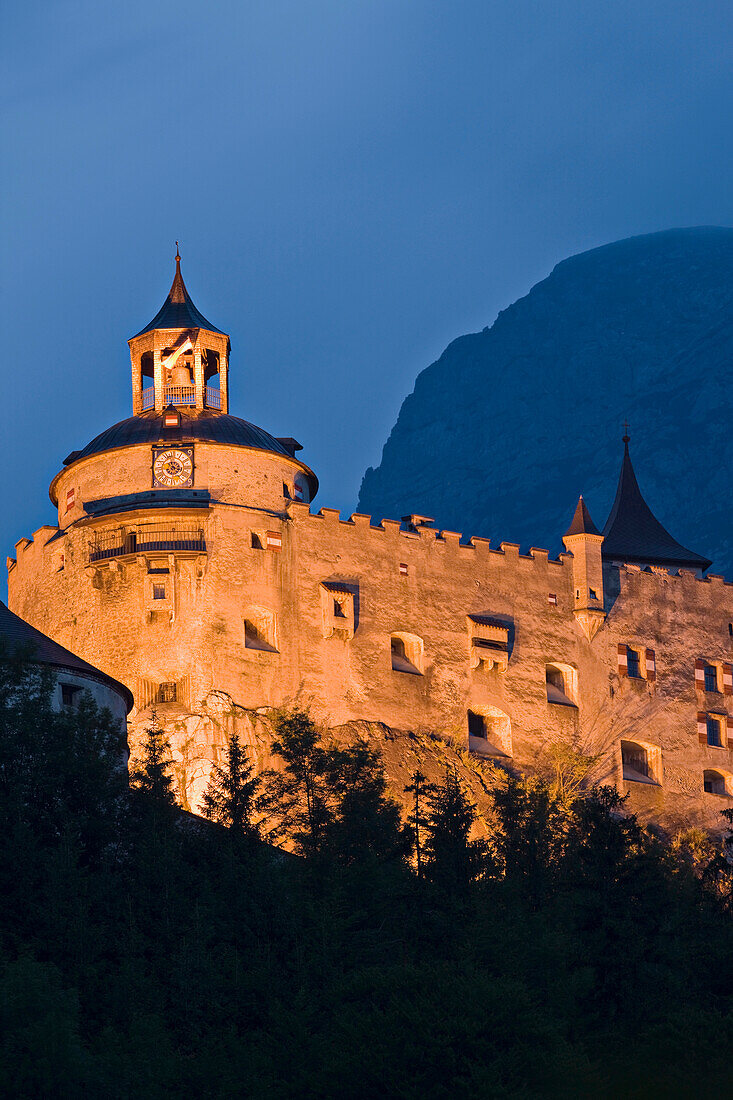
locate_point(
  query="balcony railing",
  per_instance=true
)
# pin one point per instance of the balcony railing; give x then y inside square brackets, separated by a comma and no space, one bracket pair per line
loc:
[146,539]
[181,395]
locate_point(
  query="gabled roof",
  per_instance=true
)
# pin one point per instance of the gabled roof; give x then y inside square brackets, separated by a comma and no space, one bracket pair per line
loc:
[18,634]
[581,523]
[634,534]
[178,311]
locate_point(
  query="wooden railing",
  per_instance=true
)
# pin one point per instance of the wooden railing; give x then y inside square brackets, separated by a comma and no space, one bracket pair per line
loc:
[146,539]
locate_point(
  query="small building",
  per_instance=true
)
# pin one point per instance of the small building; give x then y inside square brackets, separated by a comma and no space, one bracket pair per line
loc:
[72,675]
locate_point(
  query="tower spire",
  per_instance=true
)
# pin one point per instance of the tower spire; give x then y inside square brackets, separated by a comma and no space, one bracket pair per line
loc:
[634,534]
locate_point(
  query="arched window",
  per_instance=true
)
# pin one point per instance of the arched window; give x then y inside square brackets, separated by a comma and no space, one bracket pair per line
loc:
[715,782]
[489,732]
[641,763]
[407,653]
[561,685]
[260,629]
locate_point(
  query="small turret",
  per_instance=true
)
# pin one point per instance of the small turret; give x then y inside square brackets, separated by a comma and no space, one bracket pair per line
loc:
[182,356]
[584,541]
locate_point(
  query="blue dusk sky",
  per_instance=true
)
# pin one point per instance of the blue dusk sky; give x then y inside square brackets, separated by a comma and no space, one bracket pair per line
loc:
[354,183]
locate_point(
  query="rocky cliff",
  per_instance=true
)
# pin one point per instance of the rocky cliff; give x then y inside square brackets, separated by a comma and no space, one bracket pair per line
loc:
[503,432]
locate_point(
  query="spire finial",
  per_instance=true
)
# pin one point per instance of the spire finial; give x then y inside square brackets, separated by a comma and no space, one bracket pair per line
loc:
[178,254]
[627,437]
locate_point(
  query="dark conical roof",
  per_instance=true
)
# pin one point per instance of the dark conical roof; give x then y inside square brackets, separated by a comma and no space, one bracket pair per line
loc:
[581,523]
[634,534]
[178,311]
[16,633]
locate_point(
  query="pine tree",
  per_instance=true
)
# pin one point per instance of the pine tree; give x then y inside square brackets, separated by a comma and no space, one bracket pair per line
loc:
[231,794]
[150,774]
[420,790]
[452,859]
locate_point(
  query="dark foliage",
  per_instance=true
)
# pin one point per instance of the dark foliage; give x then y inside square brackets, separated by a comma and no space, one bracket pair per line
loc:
[142,954]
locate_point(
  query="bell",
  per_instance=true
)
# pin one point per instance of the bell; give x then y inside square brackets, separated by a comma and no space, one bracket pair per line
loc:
[180,375]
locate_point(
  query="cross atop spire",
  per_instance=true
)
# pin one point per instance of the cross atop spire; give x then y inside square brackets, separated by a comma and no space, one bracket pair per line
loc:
[626,436]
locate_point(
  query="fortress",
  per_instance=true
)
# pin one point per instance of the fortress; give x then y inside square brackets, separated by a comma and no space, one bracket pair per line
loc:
[187,563]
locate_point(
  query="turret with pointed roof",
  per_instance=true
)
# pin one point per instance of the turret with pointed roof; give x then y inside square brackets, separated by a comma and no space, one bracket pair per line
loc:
[633,534]
[583,540]
[180,358]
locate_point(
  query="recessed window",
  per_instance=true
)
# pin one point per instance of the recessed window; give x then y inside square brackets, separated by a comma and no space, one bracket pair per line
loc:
[714,782]
[158,591]
[256,541]
[633,663]
[560,685]
[167,692]
[711,678]
[714,728]
[69,693]
[489,732]
[593,593]
[259,629]
[639,762]
[407,653]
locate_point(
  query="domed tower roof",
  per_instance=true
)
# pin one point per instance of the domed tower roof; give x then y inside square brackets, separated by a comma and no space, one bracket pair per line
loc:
[634,534]
[178,310]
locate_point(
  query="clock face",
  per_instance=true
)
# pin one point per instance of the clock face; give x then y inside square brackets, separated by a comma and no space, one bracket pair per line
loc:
[173,468]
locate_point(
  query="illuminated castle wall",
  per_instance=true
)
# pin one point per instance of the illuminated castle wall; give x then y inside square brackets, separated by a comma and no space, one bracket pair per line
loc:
[187,563]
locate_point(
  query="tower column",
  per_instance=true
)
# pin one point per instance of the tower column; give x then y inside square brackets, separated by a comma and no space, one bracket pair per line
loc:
[224,382]
[198,376]
[158,379]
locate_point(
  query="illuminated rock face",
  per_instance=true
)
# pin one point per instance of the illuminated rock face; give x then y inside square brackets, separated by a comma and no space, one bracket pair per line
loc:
[223,596]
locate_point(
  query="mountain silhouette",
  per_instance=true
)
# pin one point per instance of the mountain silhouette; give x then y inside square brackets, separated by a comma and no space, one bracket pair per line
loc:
[503,432]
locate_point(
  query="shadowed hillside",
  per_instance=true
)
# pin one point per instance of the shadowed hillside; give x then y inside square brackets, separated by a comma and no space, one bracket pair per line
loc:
[504,431]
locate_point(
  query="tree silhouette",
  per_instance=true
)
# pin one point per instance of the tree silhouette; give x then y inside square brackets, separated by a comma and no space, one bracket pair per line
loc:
[231,795]
[419,789]
[452,859]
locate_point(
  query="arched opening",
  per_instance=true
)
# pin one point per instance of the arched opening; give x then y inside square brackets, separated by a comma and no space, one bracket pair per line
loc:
[407,653]
[561,685]
[212,379]
[489,731]
[260,629]
[640,763]
[147,374]
[715,782]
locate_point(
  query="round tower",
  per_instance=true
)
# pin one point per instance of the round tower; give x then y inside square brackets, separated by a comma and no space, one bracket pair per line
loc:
[169,565]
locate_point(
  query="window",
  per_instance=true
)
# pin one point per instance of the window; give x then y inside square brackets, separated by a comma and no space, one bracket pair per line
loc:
[167,692]
[593,593]
[711,678]
[68,694]
[403,569]
[636,762]
[407,653]
[552,599]
[714,782]
[256,541]
[338,608]
[633,664]
[560,683]
[489,641]
[158,591]
[713,727]
[259,629]
[489,732]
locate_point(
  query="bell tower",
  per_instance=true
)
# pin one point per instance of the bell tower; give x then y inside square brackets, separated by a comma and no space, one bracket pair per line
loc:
[180,358]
